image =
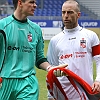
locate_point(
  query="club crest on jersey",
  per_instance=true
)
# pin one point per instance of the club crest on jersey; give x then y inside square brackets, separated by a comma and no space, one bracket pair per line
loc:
[29,36]
[83,43]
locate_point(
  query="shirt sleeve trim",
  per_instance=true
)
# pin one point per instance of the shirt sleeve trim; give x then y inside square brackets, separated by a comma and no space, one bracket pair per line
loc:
[40,62]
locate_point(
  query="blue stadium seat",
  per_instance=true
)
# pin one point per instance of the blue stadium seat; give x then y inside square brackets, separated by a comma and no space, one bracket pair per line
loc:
[10,2]
[45,6]
[51,8]
[55,2]
[50,2]
[45,2]
[55,6]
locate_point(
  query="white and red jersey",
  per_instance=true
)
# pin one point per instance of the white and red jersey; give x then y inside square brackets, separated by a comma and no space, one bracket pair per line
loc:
[77,47]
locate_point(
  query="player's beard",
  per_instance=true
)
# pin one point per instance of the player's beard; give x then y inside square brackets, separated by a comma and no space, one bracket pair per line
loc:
[69,25]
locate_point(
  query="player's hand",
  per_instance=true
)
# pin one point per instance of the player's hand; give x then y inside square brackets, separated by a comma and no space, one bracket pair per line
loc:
[58,72]
[96,86]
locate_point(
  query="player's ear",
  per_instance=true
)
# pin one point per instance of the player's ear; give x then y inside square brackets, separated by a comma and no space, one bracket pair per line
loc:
[78,14]
[19,2]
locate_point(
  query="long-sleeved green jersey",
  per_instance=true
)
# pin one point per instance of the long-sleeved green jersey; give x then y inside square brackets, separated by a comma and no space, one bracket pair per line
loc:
[24,47]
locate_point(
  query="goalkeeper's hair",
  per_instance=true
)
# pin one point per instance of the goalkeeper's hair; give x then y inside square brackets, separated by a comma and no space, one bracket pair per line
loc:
[15,3]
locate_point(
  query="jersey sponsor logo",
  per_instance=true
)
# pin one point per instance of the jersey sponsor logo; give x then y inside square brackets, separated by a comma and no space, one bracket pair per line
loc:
[27,49]
[80,54]
[29,36]
[21,49]
[66,56]
[83,43]
[75,55]
[13,48]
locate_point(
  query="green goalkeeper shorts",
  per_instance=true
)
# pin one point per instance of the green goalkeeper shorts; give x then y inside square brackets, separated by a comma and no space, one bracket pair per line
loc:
[19,89]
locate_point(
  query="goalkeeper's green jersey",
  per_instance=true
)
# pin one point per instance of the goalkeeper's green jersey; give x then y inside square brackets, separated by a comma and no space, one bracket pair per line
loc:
[24,47]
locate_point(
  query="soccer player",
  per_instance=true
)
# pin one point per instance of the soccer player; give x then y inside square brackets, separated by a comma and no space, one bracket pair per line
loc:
[24,50]
[77,47]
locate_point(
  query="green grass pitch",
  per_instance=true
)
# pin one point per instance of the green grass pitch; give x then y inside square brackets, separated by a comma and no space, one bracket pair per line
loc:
[41,75]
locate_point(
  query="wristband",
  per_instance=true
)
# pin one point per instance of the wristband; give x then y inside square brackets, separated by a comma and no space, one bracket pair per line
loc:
[0,80]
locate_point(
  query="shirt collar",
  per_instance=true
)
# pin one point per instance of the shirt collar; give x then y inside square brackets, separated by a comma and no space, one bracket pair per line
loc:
[72,30]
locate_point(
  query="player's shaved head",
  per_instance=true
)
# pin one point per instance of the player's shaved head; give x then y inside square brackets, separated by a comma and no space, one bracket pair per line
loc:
[70,13]
[73,2]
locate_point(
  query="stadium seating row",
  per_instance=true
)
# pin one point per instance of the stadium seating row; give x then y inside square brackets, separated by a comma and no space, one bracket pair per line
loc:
[50,8]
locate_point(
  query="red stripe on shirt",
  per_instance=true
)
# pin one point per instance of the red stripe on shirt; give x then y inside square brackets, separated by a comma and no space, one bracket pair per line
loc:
[96,50]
